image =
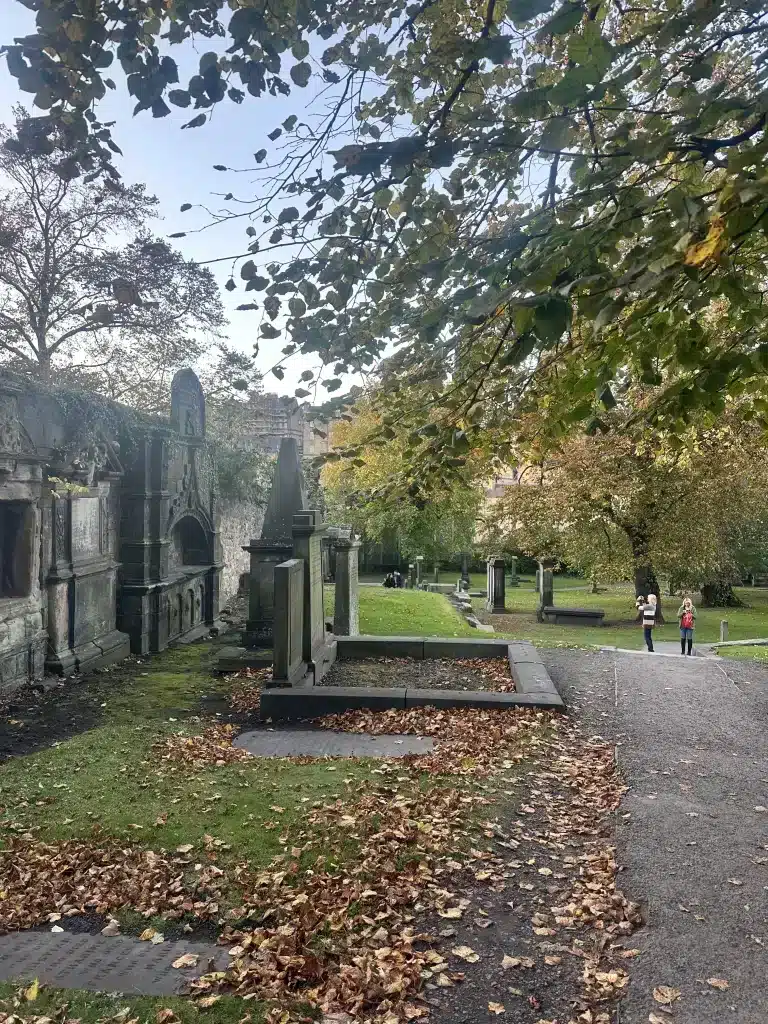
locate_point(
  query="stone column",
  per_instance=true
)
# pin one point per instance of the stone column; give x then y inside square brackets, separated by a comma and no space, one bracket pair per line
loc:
[308,531]
[345,613]
[513,580]
[496,596]
[411,576]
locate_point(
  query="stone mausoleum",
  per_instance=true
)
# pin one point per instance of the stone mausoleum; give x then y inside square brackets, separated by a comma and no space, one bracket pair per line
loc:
[108,528]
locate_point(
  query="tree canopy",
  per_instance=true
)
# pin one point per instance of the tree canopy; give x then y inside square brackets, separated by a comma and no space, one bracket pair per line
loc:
[360,492]
[496,187]
[86,292]
[621,504]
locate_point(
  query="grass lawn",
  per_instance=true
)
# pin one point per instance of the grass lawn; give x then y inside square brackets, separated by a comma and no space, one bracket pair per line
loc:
[405,613]
[759,653]
[94,1007]
[417,613]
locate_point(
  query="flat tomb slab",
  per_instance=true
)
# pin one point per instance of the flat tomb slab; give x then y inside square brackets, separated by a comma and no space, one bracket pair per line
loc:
[101,964]
[235,659]
[329,743]
[478,673]
[573,616]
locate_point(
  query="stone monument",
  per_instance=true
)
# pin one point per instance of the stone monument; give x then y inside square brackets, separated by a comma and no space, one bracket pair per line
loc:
[289,666]
[513,580]
[495,586]
[308,532]
[346,614]
[286,498]
[546,589]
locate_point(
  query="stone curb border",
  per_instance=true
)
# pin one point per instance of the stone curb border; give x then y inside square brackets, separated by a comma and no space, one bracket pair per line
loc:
[535,688]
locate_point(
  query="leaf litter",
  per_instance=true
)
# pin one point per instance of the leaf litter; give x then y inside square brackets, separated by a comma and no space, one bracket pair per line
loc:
[349,932]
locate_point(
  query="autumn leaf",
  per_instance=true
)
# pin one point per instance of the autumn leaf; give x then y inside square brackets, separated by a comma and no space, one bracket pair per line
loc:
[31,993]
[466,953]
[186,960]
[497,1008]
[718,983]
[186,848]
[665,994]
[165,1016]
[207,1001]
[453,913]
[710,247]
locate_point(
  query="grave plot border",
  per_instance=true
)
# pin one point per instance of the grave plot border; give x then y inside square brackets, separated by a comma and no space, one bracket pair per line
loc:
[534,686]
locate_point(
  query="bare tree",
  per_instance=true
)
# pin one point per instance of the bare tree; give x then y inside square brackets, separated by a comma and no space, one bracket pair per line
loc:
[86,292]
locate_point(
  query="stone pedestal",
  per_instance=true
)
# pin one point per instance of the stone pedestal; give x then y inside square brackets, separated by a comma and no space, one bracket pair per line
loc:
[265,556]
[411,580]
[495,578]
[346,620]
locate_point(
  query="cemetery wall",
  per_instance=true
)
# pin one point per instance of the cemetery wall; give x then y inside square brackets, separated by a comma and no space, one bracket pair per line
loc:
[240,522]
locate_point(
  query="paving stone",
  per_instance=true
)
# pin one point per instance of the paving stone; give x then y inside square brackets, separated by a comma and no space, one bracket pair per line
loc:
[329,743]
[101,964]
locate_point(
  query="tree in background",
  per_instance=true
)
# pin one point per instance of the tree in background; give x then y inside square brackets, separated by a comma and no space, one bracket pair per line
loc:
[366,492]
[87,295]
[627,503]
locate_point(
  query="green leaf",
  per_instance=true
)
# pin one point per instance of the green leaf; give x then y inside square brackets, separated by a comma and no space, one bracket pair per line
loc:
[297,306]
[278,371]
[332,385]
[230,285]
[562,21]
[196,122]
[383,198]
[260,156]
[300,50]
[525,10]
[552,319]
[268,331]
[302,393]
[287,215]
[179,97]
[301,74]
[185,206]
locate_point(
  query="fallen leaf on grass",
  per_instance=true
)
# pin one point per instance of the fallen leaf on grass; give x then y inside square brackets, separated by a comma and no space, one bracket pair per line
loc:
[165,1016]
[186,848]
[665,994]
[30,994]
[497,1008]
[452,913]
[207,1001]
[466,953]
[186,960]
[718,983]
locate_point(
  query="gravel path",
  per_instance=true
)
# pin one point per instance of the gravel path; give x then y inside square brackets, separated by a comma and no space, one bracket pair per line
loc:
[693,830]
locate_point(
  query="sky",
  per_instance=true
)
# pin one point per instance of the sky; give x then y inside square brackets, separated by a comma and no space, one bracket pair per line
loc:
[177,167]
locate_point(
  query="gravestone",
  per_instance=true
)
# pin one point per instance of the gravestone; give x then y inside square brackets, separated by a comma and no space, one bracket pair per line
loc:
[436,575]
[308,532]
[411,576]
[513,581]
[546,589]
[288,663]
[286,498]
[495,602]
[346,619]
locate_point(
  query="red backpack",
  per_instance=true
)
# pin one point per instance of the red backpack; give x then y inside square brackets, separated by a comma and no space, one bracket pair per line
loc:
[686,621]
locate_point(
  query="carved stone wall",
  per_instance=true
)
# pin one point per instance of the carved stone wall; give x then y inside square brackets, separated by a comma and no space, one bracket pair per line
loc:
[108,529]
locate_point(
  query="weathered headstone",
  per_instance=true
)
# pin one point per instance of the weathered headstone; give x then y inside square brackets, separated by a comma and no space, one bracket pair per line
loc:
[288,664]
[419,567]
[723,630]
[275,545]
[346,620]
[411,576]
[308,532]
[495,593]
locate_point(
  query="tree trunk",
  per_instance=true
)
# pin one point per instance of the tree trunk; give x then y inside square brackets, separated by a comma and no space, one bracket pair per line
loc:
[645,577]
[719,595]
[44,367]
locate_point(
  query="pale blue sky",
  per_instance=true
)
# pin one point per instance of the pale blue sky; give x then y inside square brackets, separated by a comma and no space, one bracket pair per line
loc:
[177,167]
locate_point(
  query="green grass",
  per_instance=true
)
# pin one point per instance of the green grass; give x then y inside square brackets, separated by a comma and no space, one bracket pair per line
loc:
[91,1007]
[110,775]
[405,613]
[744,653]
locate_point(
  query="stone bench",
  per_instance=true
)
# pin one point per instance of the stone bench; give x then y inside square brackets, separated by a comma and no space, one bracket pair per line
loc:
[572,616]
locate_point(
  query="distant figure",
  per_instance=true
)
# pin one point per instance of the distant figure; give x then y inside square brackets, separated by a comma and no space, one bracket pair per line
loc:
[649,620]
[389,580]
[399,580]
[686,615]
